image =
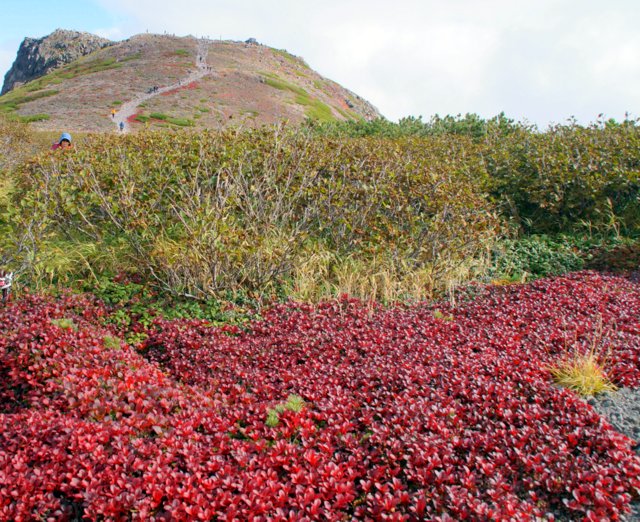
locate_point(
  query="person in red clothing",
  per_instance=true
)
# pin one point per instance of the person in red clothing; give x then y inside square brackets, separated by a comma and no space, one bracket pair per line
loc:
[63,143]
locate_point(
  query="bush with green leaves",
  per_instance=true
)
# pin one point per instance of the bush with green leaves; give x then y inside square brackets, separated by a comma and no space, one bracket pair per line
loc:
[568,177]
[535,256]
[203,214]
[469,125]
[400,210]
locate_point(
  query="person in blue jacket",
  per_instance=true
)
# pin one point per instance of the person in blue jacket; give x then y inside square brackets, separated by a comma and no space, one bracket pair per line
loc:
[63,143]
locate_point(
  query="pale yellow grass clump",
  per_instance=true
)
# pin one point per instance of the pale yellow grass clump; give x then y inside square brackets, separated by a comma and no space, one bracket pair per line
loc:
[583,374]
[584,371]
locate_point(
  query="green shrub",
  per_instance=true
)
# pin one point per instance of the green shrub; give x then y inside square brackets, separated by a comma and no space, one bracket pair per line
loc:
[469,125]
[624,257]
[202,214]
[568,176]
[535,256]
[181,122]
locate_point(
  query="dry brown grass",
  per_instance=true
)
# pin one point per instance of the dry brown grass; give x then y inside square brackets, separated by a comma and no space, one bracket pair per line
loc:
[584,371]
[323,275]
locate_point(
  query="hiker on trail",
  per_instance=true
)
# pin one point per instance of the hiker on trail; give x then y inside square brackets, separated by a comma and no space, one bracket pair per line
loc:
[121,126]
[63,143]
[113,114]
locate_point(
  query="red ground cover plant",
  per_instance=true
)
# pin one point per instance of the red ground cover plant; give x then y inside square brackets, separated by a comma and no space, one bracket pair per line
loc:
[133,117]
[409,413]
[187,86]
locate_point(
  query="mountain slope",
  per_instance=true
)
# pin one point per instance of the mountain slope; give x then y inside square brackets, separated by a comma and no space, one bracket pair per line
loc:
[181,81]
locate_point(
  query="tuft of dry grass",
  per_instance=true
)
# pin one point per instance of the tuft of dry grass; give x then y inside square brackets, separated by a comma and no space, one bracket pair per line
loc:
[583,374]
[583,371]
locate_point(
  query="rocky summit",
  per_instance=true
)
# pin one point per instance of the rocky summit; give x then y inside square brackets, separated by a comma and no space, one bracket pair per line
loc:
[37,56]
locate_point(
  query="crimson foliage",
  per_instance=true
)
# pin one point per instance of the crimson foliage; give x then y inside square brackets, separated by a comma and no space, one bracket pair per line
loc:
[443,413]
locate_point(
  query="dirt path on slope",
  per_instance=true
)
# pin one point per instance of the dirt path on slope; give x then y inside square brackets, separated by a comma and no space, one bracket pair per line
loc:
[129,108]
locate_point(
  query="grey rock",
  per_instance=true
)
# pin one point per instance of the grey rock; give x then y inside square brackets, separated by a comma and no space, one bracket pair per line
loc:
[622,410]
[37,56]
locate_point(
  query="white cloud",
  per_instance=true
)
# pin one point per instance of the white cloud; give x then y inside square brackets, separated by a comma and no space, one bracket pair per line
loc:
[541,60]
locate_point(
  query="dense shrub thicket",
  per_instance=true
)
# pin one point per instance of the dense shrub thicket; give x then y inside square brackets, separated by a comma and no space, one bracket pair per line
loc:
[548,181]
[568,176]
[209,212]
[374,209]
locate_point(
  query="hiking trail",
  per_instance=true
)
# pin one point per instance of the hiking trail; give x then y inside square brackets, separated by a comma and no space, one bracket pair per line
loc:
[129,108]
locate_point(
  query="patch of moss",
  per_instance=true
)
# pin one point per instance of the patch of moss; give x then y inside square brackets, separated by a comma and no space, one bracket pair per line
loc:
[12,100]
[315,109]
[181,122]
[34,117]
[296,60]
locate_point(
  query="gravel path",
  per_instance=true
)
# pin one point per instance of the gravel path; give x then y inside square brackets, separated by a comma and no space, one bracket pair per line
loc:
[129,108]
[622,410]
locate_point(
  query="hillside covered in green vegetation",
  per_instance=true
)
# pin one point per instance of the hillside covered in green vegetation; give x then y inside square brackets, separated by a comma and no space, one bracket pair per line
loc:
[374,209]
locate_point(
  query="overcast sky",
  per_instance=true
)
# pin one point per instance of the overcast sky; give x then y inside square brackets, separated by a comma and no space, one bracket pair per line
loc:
[537,60]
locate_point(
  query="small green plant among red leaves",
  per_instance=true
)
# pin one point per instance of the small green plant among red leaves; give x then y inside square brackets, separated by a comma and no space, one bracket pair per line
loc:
[382,413]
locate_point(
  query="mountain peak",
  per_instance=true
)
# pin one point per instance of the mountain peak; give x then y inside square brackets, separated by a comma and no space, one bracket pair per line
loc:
[77,81]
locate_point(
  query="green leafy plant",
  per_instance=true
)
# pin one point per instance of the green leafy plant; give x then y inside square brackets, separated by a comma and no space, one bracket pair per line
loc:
[202,214]
[534,256]
[111,342]
[294,403]
[64,323]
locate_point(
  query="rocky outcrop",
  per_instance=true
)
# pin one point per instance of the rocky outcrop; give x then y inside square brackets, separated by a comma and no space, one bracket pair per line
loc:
[37,56]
